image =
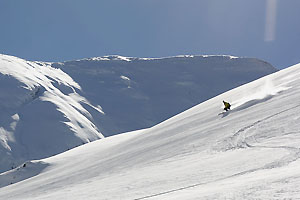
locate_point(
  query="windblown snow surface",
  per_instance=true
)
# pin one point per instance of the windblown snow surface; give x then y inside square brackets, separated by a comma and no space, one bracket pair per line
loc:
[250,152]
[48,108]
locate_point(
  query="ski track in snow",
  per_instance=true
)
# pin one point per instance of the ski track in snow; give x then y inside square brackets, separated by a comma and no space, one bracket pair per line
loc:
[293,156]
[237,140]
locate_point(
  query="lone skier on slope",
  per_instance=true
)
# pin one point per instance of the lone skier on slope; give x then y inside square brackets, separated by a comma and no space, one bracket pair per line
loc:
[227,105]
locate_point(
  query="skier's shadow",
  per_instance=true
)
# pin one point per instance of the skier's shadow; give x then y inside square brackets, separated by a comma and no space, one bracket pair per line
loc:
[224,114]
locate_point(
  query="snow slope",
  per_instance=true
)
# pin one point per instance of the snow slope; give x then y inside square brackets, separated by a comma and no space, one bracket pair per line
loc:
[41,112]
[138,93]
[48,108]
[251,152]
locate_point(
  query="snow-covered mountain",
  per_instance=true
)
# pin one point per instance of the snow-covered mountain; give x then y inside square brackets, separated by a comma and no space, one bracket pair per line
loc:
[250,152]
[137,93]
[48,108]
[41,112]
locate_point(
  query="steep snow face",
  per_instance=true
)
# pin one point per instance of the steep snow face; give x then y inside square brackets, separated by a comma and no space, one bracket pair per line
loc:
[137,93]
[250,152]
[42,112]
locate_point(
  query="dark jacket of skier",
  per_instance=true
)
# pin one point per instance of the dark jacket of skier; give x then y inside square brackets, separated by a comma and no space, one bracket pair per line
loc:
[227,105]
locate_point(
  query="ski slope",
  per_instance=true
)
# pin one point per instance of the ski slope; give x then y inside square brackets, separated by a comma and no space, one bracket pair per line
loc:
[251,152]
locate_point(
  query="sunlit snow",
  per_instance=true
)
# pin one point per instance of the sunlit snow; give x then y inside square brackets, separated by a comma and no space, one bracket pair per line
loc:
[250,152]
[29,129]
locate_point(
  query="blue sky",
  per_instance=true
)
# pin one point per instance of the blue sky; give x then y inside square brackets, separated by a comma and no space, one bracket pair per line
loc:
[60,30]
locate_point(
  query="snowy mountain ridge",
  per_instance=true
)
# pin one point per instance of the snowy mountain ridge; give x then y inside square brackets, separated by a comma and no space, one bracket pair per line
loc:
[128,59]
[250,152]
[25,87]
[48,108]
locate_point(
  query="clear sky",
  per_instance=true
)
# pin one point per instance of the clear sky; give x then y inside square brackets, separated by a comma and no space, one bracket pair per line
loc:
[59,30]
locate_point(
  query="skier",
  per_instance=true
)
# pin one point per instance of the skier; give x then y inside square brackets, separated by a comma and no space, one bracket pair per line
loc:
[227,105]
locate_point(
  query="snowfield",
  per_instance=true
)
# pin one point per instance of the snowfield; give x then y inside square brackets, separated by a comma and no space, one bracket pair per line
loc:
[250,152]
[48,108]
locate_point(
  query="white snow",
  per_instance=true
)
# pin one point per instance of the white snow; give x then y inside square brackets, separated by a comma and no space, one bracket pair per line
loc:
[250,152]
[109,58]
[229,56]
[144,92]
[48,108]
[125,78]
[42,113]
[129,59]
